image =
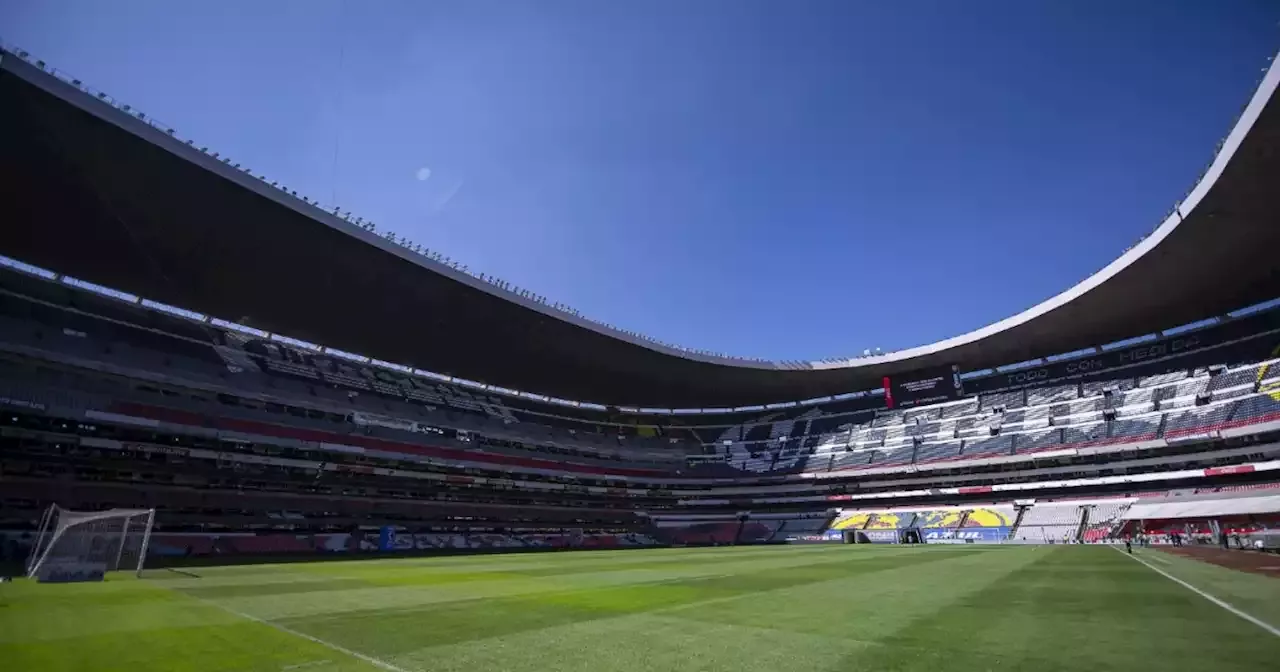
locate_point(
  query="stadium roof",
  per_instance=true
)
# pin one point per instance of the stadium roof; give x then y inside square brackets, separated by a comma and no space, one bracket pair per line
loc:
[98,191]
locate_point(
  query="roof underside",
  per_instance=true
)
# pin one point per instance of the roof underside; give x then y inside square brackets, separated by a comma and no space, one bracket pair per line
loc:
[87,192]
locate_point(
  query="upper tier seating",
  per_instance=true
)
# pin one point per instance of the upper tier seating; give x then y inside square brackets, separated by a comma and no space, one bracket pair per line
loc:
[940,519]
[852,520]
[73,326]
[995,515]
[889,520]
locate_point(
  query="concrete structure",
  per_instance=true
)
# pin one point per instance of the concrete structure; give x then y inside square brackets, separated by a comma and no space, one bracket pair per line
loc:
[90,187]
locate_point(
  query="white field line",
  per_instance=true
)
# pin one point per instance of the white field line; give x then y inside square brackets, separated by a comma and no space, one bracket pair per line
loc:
[1155,557]
[378,663]
[1225,605]
[311,663]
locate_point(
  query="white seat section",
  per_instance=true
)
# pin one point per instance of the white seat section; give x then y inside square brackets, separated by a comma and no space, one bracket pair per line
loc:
[1105,519]
[1050,522]
[1046,533]
[1162,379]
[1066,513]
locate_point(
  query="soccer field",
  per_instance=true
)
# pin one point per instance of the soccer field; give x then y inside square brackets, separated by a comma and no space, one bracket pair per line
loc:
[744,608]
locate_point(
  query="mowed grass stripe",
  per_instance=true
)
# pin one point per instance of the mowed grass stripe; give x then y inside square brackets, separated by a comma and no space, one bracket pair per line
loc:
[241,646]
[1075,608]
[845,608]
[383,630]
[539,564]
[867,607]
[271,590]
[636,643]
[150,630]
[466,568]
[754,630]
[1266,587]
[40,612]
[407,593]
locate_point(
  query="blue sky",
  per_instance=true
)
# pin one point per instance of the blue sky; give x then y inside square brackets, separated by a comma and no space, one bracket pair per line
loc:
[770,179]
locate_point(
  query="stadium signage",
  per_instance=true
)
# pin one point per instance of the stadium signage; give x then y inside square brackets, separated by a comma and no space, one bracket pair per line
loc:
[881,536]
[1236,469]
[1103,362]
[925,386]
[985,534]
[369,419]
[71,572]
[22,403]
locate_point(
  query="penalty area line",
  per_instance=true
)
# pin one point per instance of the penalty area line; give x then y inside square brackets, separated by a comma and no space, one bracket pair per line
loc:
[1221,603]
[380,664]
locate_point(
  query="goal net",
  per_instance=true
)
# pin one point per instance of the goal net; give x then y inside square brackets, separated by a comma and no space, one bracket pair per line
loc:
[84,545]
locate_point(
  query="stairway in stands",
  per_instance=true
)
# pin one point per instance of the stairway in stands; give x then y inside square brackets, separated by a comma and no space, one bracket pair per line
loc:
[236,359]
[1084,522]
[1022,511]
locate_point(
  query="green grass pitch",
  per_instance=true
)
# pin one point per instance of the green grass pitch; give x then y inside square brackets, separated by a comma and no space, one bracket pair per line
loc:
[744,609]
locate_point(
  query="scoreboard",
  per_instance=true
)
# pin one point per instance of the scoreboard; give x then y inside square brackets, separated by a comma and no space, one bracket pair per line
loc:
[925,386]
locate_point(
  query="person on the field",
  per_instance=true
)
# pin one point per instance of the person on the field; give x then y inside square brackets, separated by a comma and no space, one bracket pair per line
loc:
[1128,545]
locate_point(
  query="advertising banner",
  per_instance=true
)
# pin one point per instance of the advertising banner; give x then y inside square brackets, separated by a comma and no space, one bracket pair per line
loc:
[879,536]
[926,386]
[977,535]
[71,571]
[387,539]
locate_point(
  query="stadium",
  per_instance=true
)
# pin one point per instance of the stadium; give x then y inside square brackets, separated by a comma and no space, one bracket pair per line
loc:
[226,475]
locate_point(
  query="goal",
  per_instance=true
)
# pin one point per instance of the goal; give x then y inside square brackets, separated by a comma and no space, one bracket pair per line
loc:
[83,545]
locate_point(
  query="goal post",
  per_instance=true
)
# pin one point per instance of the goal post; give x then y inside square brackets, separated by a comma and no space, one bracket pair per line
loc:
[84,545]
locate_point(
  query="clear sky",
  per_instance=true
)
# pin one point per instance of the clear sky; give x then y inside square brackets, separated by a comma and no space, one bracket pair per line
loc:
[787,180]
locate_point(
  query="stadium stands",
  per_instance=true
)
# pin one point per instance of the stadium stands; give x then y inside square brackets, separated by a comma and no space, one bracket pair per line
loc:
[212,423]
[1104,520]
[940,519]
[1049,522]
[995,515]
[253,443]
[851,520]
[889,521]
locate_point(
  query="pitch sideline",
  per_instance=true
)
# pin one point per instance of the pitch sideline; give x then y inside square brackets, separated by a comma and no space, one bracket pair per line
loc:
[1221,603]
